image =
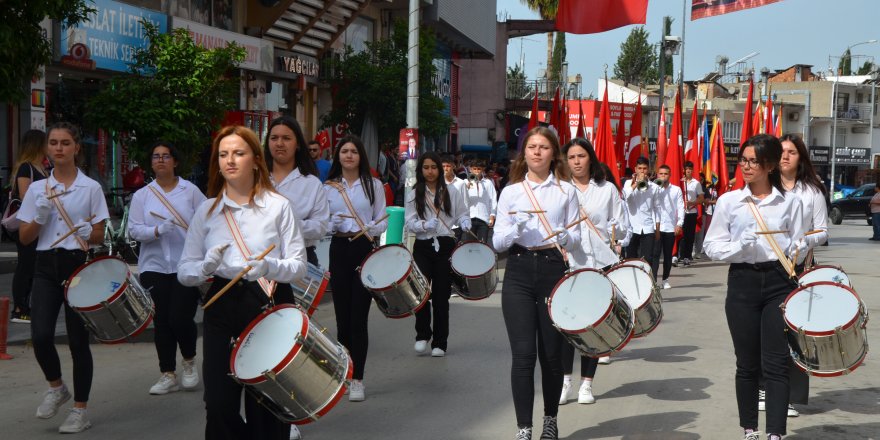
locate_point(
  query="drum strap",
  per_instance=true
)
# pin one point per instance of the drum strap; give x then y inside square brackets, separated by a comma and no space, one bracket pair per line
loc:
[786,263]
[170,208]
[338,186]
[542,217]
[267,286]
[57,201]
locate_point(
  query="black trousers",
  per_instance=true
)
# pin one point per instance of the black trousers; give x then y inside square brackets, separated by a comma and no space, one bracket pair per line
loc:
[47,297]
[754,293]
[436,268]
[173,320]
[641,246]
[689,231]
[312,255]
[351,301]
[588,364]
[223,322]
[528,282]
[23,279]
[665,244]
[480,229]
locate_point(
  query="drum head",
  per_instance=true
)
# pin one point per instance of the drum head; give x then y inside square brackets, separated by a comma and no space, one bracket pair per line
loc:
[634,284]
[821,307]
[580,300]
[385,266]
[267,342]
[824,273]
[473,259]
[96,281]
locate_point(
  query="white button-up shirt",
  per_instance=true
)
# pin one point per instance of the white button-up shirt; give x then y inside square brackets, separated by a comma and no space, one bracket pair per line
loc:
[601,202]
[733,217]
[815,211]
[458,212]
[559,201]
[481,198]
[643,207]
[86,198]
[670,207]
[366,211]
[268,220]
[309,204]
[694,190]
[161,254]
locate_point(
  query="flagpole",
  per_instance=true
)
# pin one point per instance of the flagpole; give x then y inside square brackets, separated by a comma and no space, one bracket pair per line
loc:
[683,22]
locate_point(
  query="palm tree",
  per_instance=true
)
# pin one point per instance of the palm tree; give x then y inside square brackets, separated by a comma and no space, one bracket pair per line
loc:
[547,10]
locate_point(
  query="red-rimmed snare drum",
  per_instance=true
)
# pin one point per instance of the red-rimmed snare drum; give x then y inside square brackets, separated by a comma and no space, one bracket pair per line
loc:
[109,299]
[641,293]
[827,328]
[308,291]
[476,263]
[589,310]
[824,272]
[391,275]
[285,360]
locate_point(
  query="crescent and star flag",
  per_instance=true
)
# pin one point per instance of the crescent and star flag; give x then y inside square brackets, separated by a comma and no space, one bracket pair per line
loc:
[593,16]
[674,154]
[711,8]
[604,143]
[692,146]
[635,136]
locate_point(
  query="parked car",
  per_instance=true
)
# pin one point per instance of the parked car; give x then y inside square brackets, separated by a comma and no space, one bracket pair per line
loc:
[854,205]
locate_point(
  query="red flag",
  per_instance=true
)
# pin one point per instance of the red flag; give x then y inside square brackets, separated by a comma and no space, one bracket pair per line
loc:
[674,153]
[692,147]
[758,119]
[635,136]
[719,159]
[533,119]
[778,132]
[580,131]
[661,139]
[746,132]
[768,118]
[564,129]
[323,138]
[703,8]
[620,141]
[554,112]
[593,16]
[604,142]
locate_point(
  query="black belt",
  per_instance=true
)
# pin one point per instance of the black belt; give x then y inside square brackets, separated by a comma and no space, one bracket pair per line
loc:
[62,251]
[763,266]
[518,249]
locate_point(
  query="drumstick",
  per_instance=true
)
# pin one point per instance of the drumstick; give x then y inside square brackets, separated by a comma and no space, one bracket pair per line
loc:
[346,216]
[566,227]
[364,231]
[59,194]
[527,212]
[237,278]
[161,217]
[70,232]
[814,231]
[770,232]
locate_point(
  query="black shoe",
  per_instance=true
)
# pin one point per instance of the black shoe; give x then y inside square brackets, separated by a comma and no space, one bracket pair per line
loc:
[20,318]
[550,431]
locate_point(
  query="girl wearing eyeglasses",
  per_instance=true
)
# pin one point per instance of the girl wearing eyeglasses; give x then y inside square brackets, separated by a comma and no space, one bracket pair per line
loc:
[759,279]
[159,216]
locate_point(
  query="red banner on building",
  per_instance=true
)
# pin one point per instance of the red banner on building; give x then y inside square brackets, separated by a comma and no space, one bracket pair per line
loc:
[711,8]
[593,16]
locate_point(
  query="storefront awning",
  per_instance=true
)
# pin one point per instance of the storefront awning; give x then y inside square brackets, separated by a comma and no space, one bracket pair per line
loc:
[306,26]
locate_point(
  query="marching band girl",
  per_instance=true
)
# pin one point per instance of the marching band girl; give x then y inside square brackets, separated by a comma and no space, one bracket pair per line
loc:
[431,210]
[215,246]
[67,200]
[481,199]
[600,201]
[159,216]
[356,203]
[538,202]
[760,277]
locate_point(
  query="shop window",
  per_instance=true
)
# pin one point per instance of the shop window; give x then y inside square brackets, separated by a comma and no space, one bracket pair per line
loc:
[359,33]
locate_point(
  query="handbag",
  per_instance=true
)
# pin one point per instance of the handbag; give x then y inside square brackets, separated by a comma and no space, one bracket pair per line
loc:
[10,220]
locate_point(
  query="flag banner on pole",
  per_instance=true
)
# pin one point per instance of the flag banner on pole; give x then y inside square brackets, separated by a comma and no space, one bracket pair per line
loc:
[778,128]
[604,142]
[661,139]
[620,141]
[533,118]
[711,8]
[633,150]
[674,153]
[593,16]
[580,131]
[692,145]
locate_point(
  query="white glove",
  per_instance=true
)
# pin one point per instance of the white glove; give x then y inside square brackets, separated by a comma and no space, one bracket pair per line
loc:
[166,227]
[213,258]
[83,230]
[374,229]
[748,239]
[337,221]
[562,236]
[465,224]
[259,268]
[521,218]
[612,225]
[624,243]
[431,225]
[801,248]
[43,207]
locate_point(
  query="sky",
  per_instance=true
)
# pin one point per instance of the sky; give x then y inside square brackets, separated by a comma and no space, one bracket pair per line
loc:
[785,33]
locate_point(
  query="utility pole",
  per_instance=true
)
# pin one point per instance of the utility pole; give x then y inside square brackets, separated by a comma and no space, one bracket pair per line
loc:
[412,88]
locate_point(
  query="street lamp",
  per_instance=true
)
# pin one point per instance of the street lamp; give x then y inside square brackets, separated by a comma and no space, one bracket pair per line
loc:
[834,92]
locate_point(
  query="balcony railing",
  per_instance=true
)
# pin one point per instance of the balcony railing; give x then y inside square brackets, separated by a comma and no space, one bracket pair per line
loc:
[855,112]
[525,89]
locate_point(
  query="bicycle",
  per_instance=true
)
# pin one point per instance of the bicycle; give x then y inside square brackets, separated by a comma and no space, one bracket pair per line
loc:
[117,241]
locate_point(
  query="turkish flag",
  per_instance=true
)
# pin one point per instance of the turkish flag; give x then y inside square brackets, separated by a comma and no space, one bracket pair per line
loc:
[593,16]
[323,138]
[604,142]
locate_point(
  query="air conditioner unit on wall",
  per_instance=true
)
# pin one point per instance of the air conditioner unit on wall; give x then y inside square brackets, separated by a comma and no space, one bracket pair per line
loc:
[794,116]
[860,130]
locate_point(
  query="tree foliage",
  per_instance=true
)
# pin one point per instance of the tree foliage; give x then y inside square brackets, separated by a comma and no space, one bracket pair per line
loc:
[668,64]
[555,73]
[176,91]
[517,85]
[867,68]
[844,67]
[373,82]
[23,45]
[637,60]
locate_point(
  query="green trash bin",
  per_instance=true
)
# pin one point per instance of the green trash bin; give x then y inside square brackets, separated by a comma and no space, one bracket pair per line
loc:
[394,234]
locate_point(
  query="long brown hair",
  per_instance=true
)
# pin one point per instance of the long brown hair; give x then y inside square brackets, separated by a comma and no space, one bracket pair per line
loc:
[558,166]
[805,171]
[32,148]
[441,196]
[216,181]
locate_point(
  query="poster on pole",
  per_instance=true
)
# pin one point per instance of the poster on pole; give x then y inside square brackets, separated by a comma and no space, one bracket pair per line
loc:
[409,143]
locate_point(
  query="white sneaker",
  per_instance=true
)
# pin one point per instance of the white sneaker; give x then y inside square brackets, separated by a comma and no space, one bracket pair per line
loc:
[438,352]
[523,434]
[666,285]
[76,422]
[675,261]
[762,400]
[585,393]
[294,433]
[754,435]
[190,379]
[566,389]
[53,399]
[166,384]
[792,412]
[605,360]
[356,391]
[421,347]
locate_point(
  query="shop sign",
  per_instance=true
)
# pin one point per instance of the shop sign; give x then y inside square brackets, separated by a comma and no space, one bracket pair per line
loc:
[292,65]
[259,54]
[109,37]
[819,155]
[852,156]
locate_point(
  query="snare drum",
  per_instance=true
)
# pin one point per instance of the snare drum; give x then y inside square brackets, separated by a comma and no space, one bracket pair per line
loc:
[476,263]
[398,286]
[828,273]
[638,262]
[827,322]
[289,365]
[308,291]
[109,299]
[641,293]
[591,313]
